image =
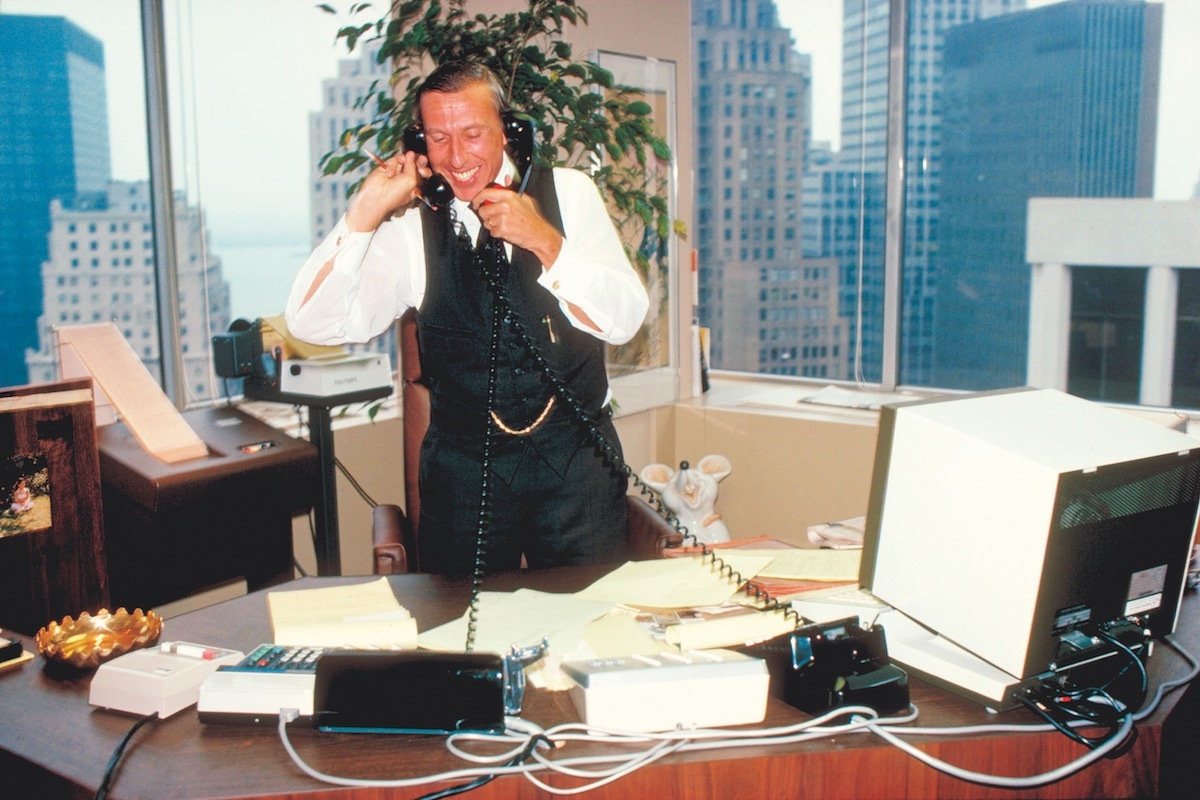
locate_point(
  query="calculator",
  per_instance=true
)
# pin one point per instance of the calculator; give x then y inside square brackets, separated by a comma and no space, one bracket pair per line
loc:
[270,679]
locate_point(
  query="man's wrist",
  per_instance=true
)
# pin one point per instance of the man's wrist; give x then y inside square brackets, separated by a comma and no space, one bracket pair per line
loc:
[549,252]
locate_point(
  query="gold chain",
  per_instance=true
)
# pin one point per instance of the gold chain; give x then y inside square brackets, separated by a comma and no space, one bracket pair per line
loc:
[528,429]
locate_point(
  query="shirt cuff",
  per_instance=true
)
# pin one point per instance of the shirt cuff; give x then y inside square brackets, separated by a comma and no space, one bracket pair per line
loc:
[569,278]
[347,248]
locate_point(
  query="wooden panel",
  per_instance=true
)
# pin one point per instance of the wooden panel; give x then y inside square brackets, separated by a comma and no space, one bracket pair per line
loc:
[52,560]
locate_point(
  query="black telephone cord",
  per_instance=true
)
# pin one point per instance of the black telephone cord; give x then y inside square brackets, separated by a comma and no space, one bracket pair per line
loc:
[604,448]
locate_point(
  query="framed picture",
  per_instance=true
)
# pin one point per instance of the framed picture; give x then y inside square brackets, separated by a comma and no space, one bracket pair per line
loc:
[651,80]
[52,560]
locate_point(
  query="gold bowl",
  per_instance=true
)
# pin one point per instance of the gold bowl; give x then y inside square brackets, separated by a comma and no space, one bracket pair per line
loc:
[95,638]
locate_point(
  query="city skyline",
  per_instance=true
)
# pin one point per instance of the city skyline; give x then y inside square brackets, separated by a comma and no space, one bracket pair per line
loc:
[268,141]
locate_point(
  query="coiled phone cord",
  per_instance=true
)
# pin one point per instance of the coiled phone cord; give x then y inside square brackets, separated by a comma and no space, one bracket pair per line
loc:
[485,503]
[493,256]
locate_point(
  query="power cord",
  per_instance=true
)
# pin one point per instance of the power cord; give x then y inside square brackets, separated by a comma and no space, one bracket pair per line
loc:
[353,482]
[110,771]
[605,768]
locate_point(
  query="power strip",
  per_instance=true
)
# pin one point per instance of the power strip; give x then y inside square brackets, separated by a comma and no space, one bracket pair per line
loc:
[162,680]
[692,689]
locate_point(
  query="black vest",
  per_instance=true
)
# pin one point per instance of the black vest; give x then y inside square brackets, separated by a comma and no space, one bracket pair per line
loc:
[454,327]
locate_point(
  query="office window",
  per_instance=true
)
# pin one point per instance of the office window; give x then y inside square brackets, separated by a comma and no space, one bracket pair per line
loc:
[241,156]
[1005,100]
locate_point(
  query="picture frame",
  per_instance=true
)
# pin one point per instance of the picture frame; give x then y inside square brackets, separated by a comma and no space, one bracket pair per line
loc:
[52,557]
[653,348]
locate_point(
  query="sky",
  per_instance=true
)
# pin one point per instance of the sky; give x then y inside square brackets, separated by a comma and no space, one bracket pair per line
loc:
[264,133]
[291,46]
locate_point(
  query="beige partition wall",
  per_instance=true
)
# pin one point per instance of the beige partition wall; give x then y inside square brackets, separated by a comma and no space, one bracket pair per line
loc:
[788,472]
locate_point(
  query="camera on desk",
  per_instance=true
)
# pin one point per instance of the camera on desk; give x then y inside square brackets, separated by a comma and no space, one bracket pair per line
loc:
[239,353]
[828,665]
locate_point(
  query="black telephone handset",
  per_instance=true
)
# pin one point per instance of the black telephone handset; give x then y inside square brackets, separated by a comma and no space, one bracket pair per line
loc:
[519,132]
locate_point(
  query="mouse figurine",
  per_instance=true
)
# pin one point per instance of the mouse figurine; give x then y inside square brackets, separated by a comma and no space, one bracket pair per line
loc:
[691,492]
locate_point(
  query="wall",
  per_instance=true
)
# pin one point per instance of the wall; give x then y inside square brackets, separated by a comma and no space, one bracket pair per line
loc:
[789,471]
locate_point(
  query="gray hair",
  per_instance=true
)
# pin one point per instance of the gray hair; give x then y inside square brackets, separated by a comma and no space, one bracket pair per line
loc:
[455,76]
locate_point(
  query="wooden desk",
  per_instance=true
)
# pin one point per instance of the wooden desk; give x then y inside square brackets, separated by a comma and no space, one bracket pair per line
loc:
[55,745]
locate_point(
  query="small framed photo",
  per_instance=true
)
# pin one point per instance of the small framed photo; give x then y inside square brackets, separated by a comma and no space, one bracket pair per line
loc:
[52,558]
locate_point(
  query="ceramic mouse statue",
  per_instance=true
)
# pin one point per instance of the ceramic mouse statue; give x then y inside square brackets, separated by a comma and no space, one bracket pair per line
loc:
[691,492]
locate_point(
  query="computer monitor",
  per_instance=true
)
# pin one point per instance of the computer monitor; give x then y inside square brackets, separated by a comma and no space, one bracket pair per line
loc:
[1008,525]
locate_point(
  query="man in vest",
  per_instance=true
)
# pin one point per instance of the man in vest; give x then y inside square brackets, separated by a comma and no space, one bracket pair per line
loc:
[510,465]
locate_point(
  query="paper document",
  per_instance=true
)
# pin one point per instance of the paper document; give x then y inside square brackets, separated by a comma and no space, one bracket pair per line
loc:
[809,564]
[676,582]
[102,352]
[733,630]
[847,533]
[361,615]
[522,619]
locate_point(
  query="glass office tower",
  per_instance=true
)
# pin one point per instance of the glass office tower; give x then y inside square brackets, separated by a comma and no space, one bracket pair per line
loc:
[54,135]
[1060,101]
[770,310]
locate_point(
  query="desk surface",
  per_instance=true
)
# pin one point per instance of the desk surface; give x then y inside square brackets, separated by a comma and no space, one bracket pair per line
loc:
[52,741]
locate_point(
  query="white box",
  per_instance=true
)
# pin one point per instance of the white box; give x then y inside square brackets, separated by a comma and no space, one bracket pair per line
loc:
[324,376]
[694,689]
[156,680]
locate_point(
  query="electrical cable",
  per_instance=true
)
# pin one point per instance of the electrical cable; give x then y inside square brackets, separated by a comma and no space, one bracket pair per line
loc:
[605,768]
[1135,661]
[354,483]
[1170,686]
[110,771]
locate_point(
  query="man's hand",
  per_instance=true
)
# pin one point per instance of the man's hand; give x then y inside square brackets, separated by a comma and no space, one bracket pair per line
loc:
[515,219]
[388,188]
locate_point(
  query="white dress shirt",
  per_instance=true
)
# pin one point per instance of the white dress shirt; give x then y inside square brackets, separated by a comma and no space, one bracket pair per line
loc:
[378,275]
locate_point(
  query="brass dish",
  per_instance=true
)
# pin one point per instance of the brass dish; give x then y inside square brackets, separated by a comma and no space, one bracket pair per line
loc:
[95,638]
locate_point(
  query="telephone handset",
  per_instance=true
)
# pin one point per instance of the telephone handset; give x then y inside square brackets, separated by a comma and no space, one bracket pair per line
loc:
[519,132]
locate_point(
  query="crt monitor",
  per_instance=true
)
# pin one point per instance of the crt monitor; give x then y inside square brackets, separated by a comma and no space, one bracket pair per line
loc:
[1004,523]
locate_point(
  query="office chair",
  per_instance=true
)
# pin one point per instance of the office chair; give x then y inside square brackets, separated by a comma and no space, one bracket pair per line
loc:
[395,533]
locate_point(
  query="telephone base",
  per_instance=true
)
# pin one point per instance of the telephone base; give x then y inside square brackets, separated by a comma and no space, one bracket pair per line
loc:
[694,689]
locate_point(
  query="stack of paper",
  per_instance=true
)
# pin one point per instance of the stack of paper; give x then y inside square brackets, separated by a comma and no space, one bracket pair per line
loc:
[361,615]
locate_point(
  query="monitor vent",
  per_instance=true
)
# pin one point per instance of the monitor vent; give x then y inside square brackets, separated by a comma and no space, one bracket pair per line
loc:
[1113,496]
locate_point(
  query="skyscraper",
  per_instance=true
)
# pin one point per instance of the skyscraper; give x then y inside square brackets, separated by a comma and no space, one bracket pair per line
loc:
[769,310]
[339,112]
[1059,101]
[865,59]
[101,269]
[54,135]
